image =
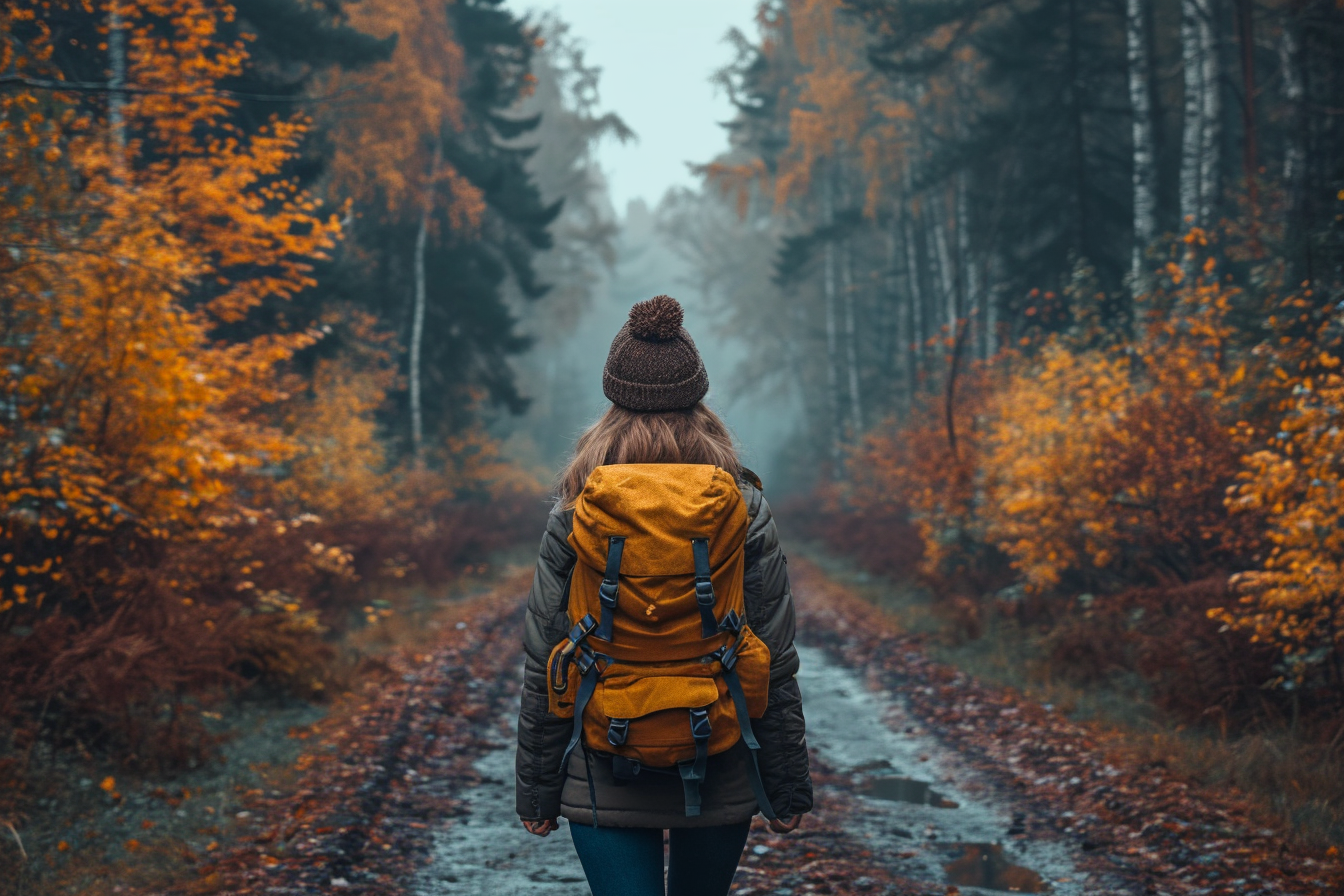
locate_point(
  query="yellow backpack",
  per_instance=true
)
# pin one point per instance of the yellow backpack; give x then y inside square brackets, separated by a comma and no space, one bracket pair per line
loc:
[668,672]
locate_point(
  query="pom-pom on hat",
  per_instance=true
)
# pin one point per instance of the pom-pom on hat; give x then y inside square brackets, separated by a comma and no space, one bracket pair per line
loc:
[653,364]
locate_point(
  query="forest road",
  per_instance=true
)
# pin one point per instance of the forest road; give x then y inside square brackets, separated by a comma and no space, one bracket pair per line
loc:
[898,814]
[927,783]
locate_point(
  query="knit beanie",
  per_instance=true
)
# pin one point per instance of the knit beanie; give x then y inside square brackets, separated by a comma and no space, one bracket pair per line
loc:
[653,364]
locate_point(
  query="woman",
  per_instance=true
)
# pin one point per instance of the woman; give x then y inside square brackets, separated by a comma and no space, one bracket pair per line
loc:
[655,379]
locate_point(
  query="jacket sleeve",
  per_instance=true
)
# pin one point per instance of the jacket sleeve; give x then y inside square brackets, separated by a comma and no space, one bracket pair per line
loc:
[542,736]
[781,731]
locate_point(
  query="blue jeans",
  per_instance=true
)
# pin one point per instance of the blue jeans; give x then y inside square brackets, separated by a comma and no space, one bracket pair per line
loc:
[629,861]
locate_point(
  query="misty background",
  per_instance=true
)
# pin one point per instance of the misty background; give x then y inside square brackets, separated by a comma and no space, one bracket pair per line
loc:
[632,201]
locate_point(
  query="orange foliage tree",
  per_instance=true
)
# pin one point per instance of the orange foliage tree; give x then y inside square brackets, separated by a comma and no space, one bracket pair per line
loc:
[140,394]
[390,145]
[1089,461]
[126,416]
[1293,599]
[1108,464]
[190,482]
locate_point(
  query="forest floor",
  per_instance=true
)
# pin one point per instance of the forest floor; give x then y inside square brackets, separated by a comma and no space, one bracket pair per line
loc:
[927,783]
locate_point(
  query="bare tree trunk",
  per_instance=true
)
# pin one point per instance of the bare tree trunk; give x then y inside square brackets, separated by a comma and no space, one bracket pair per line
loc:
[828,294]
[1192,119]
[417,336]
[116,98]
[946,272]
[968,278]
[418,316]
[1145,154]
[905,354]
[911,228]
[992,307]
[851,340]
[917,330]
[1294,153]
[1211,147]
[1246,37]
[1200,157]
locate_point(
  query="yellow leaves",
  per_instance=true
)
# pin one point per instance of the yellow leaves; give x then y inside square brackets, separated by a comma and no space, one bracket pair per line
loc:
[1296,600]
[108,784]
[1040,449]
[126,413]
[383,149]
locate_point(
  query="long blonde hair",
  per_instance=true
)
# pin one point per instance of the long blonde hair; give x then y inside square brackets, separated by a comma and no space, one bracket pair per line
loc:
[622,436]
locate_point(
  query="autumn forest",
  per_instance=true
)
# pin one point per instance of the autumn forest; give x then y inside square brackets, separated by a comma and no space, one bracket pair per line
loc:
[1041,299]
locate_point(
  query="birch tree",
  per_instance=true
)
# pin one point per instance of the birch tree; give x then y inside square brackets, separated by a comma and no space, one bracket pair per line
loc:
[1144,151]
[1201,147]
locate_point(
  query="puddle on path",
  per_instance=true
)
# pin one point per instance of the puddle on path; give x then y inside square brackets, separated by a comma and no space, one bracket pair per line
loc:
[908,785]
[983,865]
[906,790]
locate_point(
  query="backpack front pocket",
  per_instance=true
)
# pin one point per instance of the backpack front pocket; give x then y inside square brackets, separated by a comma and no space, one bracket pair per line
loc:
[633,698]
[648,717]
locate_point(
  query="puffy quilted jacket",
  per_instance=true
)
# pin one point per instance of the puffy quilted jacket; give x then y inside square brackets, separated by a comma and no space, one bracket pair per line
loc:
[586,792]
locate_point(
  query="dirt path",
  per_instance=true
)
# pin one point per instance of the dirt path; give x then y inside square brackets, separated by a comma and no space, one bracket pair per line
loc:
[927,784]
[911,829]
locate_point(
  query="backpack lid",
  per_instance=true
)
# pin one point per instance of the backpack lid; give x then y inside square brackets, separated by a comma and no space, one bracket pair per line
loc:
[659,508]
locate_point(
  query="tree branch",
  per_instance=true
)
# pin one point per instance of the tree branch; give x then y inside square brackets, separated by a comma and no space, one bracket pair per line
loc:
[11,81]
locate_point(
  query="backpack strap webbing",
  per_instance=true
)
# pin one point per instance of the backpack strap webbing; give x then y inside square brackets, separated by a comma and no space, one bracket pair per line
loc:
[693,770]
[611,580]
[587,665]
[704,588]
[559,671]
[727,657]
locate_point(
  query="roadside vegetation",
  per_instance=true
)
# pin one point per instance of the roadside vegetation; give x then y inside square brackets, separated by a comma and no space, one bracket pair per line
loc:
[261,274]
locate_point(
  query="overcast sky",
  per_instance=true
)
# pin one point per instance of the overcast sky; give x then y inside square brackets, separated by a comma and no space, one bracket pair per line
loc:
[656,59]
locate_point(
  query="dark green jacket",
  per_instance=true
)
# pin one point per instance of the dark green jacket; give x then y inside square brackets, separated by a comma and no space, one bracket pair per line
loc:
[544,791]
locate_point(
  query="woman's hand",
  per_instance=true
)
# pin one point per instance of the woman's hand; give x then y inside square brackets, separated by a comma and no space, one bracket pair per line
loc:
[541,828]
[784,825]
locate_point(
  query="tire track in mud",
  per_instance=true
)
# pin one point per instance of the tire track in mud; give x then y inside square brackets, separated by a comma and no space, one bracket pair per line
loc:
[382,776]
[852,843]
[1129,827]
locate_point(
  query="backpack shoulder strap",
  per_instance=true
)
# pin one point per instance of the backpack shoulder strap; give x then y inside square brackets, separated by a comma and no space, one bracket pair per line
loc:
[704,588]
[611,582]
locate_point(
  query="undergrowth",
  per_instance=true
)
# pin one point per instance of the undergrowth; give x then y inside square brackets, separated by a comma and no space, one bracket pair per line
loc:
[1295,779]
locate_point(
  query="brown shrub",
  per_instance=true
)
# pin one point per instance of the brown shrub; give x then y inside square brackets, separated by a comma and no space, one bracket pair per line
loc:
[256,601]
[880,538]
[1090,648]
[1198,669]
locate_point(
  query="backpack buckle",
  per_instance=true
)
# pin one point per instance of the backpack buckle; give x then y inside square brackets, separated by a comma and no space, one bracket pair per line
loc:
[704,592]
[731,623]
[582,629]
[700,725]
[606,592]
[584,659]
[625,770]
[727,657]
[617,732]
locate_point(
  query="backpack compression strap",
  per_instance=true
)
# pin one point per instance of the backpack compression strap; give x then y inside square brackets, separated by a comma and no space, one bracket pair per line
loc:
[611,580]
[693,770]
[704,588]
[727,657]
[586,661]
